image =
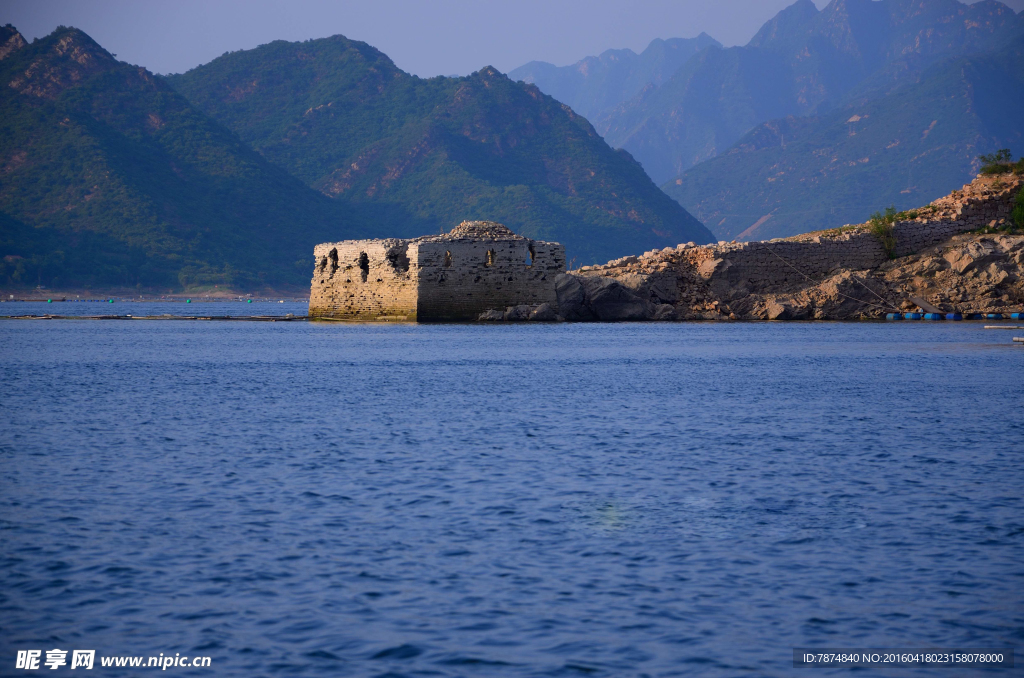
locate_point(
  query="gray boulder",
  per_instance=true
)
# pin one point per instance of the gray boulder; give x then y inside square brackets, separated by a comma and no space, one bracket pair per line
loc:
[609,300]
[544,313]
[491,315]
[973,255]
[571,298]
[664,312]
[779,311]
[594,297]
[789,309]
[521,312]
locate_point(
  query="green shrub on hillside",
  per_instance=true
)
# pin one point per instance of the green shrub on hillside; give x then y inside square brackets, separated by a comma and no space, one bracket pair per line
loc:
[1018,209]
[1000,162]
[881,225]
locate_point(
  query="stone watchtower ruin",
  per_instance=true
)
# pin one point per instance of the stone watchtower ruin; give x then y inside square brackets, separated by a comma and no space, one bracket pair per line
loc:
[479,265]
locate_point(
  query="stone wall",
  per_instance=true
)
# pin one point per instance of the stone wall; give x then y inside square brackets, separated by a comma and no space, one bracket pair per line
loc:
[483,266]
[365,280]
[459,279]
[759,266]
[456,276]
[787,261]
[839,274]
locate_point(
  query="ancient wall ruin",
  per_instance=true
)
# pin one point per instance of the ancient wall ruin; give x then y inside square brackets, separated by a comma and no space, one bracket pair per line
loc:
[836,274]
[839,273]
[455,276]
[365,280]
[754,266]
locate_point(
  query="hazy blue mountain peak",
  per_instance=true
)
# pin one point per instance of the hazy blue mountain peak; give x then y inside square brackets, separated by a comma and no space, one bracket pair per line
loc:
[903,148]
[787,26]
[700,42]
[802,62]
[595,85]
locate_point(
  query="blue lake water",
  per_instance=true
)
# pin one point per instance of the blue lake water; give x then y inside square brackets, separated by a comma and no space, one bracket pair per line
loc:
[143,308]
[520,500]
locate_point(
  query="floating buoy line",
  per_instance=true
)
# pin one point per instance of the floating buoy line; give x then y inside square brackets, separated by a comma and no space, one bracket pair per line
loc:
[955,316]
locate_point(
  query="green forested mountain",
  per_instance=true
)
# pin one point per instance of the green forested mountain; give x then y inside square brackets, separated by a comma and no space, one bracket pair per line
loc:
[108,177]
[595,85]
[904,148]
[802,62]
[420,155]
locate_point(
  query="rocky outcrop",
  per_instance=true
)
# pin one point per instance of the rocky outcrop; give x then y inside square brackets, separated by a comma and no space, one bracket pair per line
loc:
[989,280]
[588,298]
[600,298]
[541,313]
[943,259]
[10,41]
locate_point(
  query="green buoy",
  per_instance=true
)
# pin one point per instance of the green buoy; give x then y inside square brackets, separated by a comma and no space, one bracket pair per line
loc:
[49,301]
[188,301]
[111,301]
[250,301]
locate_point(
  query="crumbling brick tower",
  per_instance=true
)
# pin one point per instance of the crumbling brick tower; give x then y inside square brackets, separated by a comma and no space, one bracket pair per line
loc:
[456,276]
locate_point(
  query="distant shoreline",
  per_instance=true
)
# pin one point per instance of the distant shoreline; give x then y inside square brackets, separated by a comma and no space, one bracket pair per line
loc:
[37,296]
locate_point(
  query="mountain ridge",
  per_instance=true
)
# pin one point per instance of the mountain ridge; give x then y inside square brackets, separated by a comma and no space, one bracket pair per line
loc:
[124,183]
[804,61]
[342,117]
[596,84]
[794,175]
[110,177]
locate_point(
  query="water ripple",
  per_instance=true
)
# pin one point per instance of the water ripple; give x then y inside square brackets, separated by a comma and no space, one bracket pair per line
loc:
[600,500]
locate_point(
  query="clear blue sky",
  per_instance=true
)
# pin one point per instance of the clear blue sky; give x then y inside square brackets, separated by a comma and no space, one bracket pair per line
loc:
[425,37]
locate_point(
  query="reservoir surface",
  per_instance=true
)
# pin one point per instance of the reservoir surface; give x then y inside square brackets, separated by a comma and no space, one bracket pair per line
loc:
[506,500]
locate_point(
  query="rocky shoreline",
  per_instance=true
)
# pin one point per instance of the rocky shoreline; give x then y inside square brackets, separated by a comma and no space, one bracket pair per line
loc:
[955,255]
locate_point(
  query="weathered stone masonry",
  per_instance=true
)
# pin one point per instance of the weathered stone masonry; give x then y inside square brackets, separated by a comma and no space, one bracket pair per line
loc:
[787,261]
[827,272]
[478,266]
[481,269]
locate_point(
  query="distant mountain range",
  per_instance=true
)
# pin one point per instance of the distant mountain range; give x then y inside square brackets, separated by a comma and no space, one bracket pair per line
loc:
[824,116]
[595,86]
[802,62]
[904,149]
[229,174]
